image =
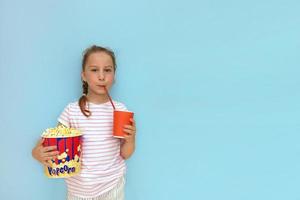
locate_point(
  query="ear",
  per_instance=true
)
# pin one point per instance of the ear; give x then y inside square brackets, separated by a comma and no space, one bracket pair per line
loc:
[114,77]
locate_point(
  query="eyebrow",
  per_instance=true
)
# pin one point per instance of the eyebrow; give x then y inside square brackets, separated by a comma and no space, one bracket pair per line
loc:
[107,66]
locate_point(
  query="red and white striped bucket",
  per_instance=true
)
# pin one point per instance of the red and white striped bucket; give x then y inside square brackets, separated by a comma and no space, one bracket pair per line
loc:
[68,162]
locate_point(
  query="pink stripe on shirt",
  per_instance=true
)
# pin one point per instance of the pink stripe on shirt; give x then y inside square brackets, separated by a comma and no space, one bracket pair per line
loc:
[102,164]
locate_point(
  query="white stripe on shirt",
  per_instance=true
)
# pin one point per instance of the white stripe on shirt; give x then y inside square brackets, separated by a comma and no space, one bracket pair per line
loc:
[102,164]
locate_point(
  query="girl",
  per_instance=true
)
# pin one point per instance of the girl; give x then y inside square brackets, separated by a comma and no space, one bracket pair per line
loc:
[103,166]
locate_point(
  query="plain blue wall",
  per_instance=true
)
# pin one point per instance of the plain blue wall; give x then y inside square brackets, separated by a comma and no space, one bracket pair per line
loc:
[214,85]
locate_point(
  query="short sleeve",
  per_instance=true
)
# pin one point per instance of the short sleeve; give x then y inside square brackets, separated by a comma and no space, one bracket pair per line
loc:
[121,107]
[64,117]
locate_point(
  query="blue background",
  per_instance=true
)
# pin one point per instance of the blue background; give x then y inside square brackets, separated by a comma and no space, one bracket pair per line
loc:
[214,85]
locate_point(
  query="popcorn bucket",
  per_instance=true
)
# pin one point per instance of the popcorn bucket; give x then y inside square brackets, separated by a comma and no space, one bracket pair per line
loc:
[68,142]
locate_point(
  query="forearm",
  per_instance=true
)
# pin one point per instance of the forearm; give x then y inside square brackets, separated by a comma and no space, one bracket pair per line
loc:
[127,149]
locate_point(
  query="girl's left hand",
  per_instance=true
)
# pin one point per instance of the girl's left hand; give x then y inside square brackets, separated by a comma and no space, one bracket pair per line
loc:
[131,131]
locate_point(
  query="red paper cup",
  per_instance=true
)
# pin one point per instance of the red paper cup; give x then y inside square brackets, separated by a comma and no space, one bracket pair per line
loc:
[68,162]
[121,118]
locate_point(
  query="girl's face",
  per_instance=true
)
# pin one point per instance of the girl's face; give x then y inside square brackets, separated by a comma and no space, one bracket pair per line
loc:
[98,72]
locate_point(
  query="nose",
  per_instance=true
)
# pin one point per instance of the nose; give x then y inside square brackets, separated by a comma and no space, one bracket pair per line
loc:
[101,75]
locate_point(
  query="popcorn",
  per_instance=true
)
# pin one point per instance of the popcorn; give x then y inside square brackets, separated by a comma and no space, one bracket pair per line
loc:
[60,131]
[62,156]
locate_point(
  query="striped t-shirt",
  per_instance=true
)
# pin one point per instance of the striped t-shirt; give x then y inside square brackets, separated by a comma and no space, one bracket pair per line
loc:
[102,164]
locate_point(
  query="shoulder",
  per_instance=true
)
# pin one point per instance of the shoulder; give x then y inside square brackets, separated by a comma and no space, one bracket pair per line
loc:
[72,106]
[120,105]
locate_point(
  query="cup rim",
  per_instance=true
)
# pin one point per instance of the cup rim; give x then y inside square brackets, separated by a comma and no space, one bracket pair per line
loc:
[123,111]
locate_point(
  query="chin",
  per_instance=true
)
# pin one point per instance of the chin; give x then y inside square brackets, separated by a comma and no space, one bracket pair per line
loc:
[100,93]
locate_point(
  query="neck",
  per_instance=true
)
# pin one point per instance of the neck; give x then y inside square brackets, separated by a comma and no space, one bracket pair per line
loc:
[97,99]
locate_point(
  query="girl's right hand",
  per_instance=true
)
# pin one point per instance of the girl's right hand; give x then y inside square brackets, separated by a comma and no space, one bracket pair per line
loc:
[44,154]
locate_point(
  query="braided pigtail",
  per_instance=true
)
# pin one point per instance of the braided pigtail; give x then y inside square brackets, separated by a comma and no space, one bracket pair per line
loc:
[83,100]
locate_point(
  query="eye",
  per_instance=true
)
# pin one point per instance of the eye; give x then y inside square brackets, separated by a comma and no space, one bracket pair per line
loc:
[94,70]
[108,70]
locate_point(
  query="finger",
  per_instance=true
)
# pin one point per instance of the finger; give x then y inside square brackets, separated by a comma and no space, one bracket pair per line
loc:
[47,163]
[40,141]
[129,131]
[126,137]
[129,127]
[133,124]
[49,158]
[49,148]
[133,121]
[51,153]
[132,129]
